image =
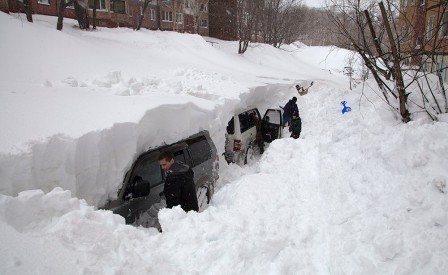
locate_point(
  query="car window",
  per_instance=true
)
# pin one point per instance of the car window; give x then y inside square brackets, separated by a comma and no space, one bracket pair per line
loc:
[231,127]
[245,121]
[200,150]
[274,116]
[149,169]
[180,156]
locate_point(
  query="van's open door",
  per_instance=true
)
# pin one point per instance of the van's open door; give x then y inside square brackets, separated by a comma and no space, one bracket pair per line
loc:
[272,125]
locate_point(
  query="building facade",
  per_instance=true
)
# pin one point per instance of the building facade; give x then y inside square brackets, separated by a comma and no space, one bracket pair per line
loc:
[189,16]
[175,15]
[423,26]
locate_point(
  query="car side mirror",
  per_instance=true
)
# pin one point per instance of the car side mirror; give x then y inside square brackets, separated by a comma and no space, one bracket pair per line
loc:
[141,188]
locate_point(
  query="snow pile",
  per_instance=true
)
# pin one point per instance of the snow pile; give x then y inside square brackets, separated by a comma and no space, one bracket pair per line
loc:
[358,193]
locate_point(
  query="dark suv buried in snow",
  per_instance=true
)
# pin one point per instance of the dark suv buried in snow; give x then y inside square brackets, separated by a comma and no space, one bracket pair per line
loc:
[143,183]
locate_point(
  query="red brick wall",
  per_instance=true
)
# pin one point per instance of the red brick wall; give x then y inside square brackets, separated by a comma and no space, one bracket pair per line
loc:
[112,20]
[134,15]
[4,6]
[45,9]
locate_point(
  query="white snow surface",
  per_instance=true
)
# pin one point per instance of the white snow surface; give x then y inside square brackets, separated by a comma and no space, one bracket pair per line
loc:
[358,193]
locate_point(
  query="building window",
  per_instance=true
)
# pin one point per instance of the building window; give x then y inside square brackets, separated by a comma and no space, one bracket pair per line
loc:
[401,34]
[119,6]
[422,2]
[409,32]
[187,20]
[71,5]
[44,2]
[444,26]
[404,4]
[203,7]
[203,23]
[187,4]
[152,14]
[418,43]
[167,16]
[179,18]
[101,4]
[430,27]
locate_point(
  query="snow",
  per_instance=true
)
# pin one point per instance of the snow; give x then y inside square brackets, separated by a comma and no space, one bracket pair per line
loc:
[358,193]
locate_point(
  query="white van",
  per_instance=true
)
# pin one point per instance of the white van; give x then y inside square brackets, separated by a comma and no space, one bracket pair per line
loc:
[241,132]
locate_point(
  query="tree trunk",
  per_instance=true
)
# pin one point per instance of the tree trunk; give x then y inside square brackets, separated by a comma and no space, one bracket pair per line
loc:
[95,5]
[28,10]
[61,8]
[81,15]
[142,15]
[197,24]
[405,116]
[242,46]
[159,19]
[377,45]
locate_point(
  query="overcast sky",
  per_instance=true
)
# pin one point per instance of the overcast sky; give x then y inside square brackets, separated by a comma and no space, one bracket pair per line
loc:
[314,3]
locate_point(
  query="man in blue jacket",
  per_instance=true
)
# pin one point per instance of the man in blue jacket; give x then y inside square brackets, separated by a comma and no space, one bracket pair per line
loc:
[179,186]
[289,109]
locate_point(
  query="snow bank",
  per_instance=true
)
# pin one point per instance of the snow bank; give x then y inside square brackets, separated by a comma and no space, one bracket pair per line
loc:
[358,193]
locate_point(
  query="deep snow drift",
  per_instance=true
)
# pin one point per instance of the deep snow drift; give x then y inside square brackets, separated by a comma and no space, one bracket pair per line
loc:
[358,193]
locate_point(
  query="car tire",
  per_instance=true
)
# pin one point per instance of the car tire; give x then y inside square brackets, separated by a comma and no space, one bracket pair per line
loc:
[203,195]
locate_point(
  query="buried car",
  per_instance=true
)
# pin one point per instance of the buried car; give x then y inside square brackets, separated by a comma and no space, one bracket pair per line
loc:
[140,197]
[241,132]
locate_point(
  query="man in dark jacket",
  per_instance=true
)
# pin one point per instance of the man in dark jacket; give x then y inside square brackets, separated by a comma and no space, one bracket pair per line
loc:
[296,126]
[289,109]
[179,186]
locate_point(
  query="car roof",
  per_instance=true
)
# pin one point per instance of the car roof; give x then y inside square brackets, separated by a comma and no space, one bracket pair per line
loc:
[182,142]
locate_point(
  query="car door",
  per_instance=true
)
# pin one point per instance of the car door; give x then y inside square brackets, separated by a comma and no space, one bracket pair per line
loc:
[272,125]
[248,128]
[148,169]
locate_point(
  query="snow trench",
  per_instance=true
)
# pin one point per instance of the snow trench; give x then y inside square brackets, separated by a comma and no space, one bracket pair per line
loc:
[93,165]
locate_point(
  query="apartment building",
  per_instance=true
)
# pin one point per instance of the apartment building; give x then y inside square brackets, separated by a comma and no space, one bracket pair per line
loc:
[175,15]
[189,16]
[424,34]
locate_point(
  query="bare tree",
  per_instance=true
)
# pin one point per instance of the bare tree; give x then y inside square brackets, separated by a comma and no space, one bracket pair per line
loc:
[141,15]
[197,8]
[28,10]
[81,7]
[399,43]
[173,4]
[314,27]
[358,32]
[95,6]
[281,21]
[249,17]
[62,5]
[80,11]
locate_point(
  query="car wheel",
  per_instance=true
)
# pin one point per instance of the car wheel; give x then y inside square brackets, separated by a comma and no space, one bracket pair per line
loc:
[203,196]
[249,158]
